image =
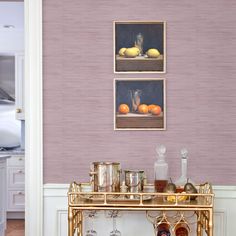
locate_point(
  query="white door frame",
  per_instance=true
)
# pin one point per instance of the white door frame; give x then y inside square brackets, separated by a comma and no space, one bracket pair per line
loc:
[33,118]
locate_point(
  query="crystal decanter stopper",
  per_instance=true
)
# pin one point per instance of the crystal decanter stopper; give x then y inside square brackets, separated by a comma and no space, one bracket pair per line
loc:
[184,165]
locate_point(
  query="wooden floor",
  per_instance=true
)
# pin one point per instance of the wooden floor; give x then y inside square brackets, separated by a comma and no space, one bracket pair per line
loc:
[15,228]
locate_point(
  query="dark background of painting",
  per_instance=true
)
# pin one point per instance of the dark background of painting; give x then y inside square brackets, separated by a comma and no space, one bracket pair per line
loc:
[152,92]
[152,34]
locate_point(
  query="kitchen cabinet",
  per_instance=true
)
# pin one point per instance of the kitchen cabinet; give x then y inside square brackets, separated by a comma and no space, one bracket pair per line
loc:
[3,194]
[19,86]
[16,186]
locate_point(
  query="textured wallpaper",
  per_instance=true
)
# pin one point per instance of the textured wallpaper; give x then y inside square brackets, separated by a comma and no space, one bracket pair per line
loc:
[200,80]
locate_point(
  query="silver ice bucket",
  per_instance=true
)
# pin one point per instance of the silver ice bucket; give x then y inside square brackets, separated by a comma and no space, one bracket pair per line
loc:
[106,176]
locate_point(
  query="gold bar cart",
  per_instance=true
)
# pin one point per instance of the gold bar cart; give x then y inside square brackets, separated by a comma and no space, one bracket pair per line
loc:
[202,205]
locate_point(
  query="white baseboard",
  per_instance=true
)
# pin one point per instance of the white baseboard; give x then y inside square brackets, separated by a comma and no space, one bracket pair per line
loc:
[55,214]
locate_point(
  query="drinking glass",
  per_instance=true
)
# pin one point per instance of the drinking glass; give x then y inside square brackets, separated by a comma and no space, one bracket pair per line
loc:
[115,231]
[91,232]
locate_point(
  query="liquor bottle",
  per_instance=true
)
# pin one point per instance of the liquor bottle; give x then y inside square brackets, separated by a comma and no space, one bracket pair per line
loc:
[181,231]
[182,228]
[163,230]
[160,169]
[183,179]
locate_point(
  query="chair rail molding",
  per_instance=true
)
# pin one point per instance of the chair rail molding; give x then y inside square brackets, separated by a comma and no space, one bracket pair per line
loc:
[33,118]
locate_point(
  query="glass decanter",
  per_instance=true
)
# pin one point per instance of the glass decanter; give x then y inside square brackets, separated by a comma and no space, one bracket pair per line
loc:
[160,169]
[183,179]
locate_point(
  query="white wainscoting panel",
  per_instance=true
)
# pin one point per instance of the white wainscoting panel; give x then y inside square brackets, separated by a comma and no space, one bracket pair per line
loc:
[55,214]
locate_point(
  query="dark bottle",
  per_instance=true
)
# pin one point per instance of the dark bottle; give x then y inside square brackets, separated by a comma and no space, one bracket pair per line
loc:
[163,230]
[181,231]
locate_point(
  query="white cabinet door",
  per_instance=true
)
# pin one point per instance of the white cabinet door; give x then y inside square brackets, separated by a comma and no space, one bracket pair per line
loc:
[15,185]
[16,177]
[20,86]
[16,200]
[16,161]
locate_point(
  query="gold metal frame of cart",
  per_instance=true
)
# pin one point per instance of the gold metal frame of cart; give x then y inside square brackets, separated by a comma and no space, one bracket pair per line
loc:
[80,201]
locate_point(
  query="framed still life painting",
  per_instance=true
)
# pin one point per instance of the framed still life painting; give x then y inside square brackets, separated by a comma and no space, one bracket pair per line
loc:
[139,46]
[139,104]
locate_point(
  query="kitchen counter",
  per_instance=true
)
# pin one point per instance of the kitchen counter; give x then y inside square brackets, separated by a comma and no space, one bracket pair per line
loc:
[3,157]
[12,152]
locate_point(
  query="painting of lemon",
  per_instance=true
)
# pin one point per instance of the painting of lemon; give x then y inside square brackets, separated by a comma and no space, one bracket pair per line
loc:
[139,46]
[153,53]
[131,52]
[137,49]
[122,51]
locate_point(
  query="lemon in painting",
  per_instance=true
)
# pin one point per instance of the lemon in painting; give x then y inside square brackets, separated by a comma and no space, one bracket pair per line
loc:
[153,53]
[122,51]
[137,49]
[131,52]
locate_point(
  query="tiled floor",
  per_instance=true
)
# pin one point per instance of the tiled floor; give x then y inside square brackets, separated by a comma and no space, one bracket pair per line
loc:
[15,228]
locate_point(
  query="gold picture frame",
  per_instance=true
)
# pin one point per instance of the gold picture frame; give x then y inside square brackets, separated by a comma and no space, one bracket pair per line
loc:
[139,104]
[150,39]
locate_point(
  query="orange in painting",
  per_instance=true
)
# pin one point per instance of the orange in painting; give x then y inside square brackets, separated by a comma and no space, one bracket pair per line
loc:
[156,110]
[143,109]
[123,109]
[150,107]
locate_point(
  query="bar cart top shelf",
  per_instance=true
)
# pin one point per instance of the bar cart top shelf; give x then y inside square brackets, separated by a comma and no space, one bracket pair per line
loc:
[202,199]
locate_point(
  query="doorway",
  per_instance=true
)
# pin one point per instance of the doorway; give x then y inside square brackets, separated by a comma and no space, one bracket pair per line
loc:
[32,67]
[12,120]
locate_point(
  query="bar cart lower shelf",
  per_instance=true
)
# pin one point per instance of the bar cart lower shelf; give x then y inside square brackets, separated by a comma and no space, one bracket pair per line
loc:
[201,204]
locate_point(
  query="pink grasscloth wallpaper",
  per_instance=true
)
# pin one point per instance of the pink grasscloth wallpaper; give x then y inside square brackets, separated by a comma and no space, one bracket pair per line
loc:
[78,88]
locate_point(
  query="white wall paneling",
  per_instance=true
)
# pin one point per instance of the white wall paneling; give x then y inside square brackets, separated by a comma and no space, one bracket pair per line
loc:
[55,214]
[55,209]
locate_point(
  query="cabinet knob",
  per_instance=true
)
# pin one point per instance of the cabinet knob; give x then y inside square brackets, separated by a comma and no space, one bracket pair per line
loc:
[20,171]
[20,193]
[20,159]
[18,110]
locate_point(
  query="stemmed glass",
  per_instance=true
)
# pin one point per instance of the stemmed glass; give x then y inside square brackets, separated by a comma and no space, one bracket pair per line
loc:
[115,232]
[91,232]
